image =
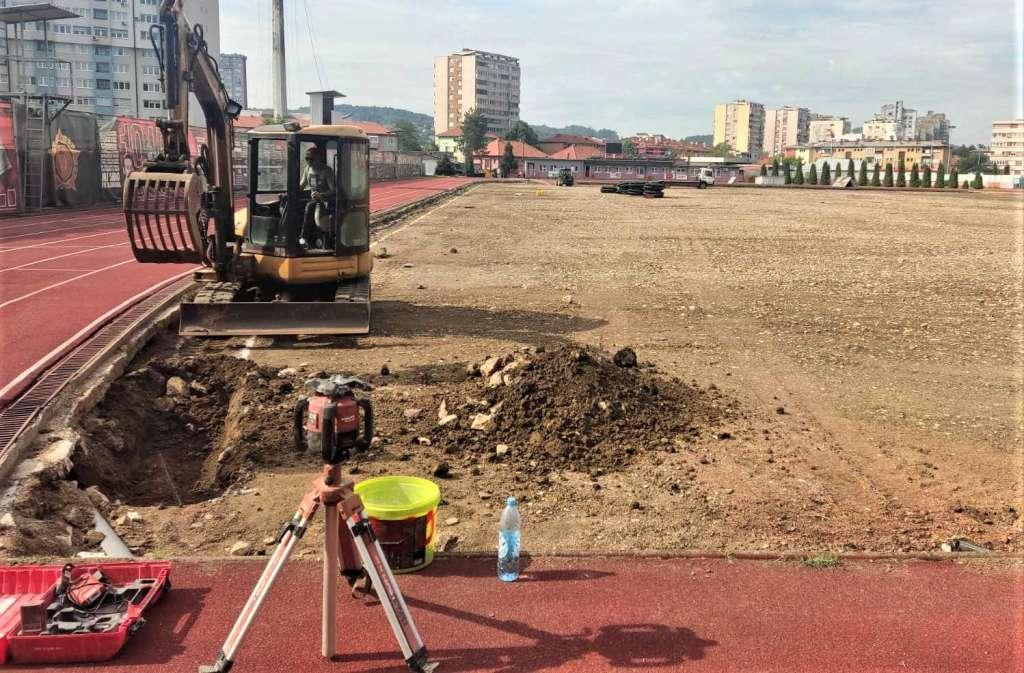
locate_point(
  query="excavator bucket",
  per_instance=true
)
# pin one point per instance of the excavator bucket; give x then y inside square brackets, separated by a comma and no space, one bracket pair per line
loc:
[161,211]
[348,314]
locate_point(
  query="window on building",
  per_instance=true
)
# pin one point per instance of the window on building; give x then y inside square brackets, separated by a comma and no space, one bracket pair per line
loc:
[150,70]
[81,30]
[101,50]
[152,104]
[100,14]
[151,87]
[119,34]
[122,86]
[103,67]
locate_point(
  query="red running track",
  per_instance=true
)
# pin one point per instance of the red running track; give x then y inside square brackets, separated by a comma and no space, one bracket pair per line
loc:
[61,270]
[599,615]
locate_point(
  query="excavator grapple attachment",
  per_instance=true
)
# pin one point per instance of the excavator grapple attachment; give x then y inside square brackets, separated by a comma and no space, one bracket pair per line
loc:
[161,211]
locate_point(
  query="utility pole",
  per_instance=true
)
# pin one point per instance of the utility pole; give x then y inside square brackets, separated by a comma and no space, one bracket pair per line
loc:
[279,84]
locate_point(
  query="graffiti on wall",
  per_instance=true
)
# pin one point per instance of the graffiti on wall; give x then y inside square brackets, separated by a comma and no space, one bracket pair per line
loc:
[10,183]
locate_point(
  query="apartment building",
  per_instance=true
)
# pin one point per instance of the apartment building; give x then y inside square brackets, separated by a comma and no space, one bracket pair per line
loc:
[894,122]
[784,127]
[472,79]
[740,124]
[933,126]
[102,59]
[1008,145]
[908,153]
[233,72]
[823,128]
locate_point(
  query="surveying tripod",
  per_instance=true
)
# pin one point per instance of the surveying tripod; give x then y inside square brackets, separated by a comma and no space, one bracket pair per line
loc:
[331,415]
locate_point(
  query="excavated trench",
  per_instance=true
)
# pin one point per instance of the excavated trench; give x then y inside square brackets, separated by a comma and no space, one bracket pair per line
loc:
[181,430]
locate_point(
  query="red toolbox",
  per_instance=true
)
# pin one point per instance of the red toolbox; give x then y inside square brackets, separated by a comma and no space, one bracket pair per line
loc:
[28,585]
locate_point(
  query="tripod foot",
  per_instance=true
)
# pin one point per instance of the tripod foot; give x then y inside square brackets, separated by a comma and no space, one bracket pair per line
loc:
[418,662]
[222,665]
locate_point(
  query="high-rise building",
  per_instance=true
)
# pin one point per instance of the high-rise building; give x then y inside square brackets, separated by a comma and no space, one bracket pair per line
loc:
[824,128]
[785,127]
[933,126]
[740,124]
[472,79]
[892,122]
[232,72]
[102,59]
[1008,145]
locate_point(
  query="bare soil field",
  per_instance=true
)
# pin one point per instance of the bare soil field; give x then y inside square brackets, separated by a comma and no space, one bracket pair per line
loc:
[817,370]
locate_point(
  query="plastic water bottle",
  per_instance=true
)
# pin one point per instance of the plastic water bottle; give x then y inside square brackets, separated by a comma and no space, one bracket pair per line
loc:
[508,542]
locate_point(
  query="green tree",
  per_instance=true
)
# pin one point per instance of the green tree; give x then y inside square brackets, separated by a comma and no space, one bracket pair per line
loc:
[888,175]
[875,182]
[445,166]
[901,175]
[978,184]
[775,167]
[799,179]
[966,185]
[954,177]
[786,174]
[915,176]
[862,179]
[764,170]
[838,173]
[849,169]
[926,178]
[940,176]
[812,174]
[629,148]
[508,161]
[522,131]
[474,136]
[408,137]
[722,150]
[1006,169]
[826,174]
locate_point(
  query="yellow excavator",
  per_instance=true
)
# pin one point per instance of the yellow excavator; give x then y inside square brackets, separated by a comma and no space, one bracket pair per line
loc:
[296,259]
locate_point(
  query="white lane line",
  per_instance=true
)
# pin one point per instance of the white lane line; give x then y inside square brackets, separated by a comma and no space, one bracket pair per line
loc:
[430,212]
[48,231]
[64,282]
[67,254]
[48,221]
[62,241]
[59,351]
[50,269]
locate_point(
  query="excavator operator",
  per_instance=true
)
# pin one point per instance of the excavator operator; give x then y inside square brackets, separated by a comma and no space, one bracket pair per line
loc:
[318,180]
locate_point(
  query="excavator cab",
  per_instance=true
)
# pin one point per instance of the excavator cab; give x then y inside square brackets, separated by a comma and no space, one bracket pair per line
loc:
[290,217]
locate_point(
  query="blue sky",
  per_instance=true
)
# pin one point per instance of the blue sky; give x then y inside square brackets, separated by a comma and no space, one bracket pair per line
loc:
[657,65]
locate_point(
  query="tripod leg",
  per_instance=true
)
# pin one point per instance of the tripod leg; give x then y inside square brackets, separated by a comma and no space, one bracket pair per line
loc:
[289,536]
[377,568]
[330,593]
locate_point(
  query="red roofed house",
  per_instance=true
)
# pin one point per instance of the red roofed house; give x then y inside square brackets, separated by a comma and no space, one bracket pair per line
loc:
[528,158]
[560,141]
[448,142]
[381,137]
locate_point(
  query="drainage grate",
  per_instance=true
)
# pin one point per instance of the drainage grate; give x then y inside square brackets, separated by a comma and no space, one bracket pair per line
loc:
[19,413]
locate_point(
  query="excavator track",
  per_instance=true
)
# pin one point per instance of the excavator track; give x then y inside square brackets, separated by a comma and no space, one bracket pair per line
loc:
[217,293]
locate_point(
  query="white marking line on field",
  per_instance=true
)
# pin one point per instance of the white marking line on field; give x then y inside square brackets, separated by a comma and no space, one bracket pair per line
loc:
[64,282]
[67,254]
[51,269]
[61,241]
[50,220]
[59,351]
[406,226]
[250,343]
[50,231]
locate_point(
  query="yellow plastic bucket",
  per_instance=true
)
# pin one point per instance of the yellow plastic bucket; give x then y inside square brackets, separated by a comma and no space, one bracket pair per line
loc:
[403,513]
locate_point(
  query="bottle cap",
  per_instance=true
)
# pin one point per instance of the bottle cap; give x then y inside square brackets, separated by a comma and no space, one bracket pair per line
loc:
[511,502]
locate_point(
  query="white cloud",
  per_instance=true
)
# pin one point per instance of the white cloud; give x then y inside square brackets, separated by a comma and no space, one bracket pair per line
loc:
[656,65]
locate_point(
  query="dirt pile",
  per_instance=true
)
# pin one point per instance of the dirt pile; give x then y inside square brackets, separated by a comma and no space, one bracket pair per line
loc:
[575,408]
[181,429]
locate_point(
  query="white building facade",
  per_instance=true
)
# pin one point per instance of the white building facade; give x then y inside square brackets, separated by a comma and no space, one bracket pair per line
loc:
[103,59]
[1008,145]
